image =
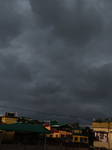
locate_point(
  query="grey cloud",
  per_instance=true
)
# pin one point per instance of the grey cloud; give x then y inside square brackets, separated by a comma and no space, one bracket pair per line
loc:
[96,84]
[12,69]
[61,61]
[77,24]
[45,88]
[10,22]
[102,77]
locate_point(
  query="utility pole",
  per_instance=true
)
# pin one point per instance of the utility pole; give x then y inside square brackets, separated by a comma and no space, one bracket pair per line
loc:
[45,143]
[1,140]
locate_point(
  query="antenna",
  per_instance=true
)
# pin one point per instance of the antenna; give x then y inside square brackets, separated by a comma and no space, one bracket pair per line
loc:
[16,114]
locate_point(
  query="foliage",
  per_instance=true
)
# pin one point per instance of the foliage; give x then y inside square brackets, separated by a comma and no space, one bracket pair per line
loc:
[107,119]
[73,125]
[99,120]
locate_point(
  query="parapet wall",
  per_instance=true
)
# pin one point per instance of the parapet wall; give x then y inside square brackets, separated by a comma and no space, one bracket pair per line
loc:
[102,125]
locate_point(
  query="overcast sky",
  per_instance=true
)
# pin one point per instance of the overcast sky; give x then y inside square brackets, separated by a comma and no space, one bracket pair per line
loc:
[56,57]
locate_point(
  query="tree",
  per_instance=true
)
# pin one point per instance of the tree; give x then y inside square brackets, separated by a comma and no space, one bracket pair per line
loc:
[107,119]
[90,133]
[73,125]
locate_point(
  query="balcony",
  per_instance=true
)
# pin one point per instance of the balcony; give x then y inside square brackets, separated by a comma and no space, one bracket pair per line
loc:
[100,125]
[110,125]
[101,144]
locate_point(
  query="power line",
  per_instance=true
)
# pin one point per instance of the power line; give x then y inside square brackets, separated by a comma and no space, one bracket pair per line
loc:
[60,115]
[23,109]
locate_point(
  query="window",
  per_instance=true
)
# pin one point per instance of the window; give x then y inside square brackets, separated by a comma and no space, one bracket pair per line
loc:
[85,139]
[76,138]
[56,135]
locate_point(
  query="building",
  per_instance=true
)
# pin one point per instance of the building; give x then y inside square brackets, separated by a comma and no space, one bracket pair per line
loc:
[59,130]
[28,120]
[24,132]
[8,118]
[80,136]
[103,135]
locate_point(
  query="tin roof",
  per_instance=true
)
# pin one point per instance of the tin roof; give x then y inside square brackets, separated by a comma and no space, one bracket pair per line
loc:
[24,127]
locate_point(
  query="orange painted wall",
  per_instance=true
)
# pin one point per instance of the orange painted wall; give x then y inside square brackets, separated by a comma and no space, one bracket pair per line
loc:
[8,120]
[6,134]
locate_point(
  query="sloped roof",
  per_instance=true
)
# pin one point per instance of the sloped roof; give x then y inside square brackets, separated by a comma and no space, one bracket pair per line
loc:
[55,123]
[64,125]
[34,122]
[24,127]
[51,121]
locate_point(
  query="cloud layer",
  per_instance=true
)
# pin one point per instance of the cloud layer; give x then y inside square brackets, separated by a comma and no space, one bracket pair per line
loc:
[56,59]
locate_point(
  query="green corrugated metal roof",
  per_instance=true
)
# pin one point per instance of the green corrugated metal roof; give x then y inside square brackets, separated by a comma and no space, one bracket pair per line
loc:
[34,122]
[60,125]
[24,127]
[55,123]
[52,121]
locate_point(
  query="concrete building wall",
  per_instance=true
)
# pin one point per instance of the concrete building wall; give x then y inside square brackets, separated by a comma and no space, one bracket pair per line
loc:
[101,144]
[77,138]
[30,147]
[59,133]
[100,125]
[9,120]
[101,129]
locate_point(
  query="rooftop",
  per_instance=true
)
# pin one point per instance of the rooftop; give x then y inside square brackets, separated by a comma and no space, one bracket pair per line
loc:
[24,127]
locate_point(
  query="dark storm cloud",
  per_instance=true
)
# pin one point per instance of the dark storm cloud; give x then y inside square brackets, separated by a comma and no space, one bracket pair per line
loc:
[101,78]
[15,69]
[13,75]
[77,23]
[10,22]
[55,57]
[95,84]
[45,88]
